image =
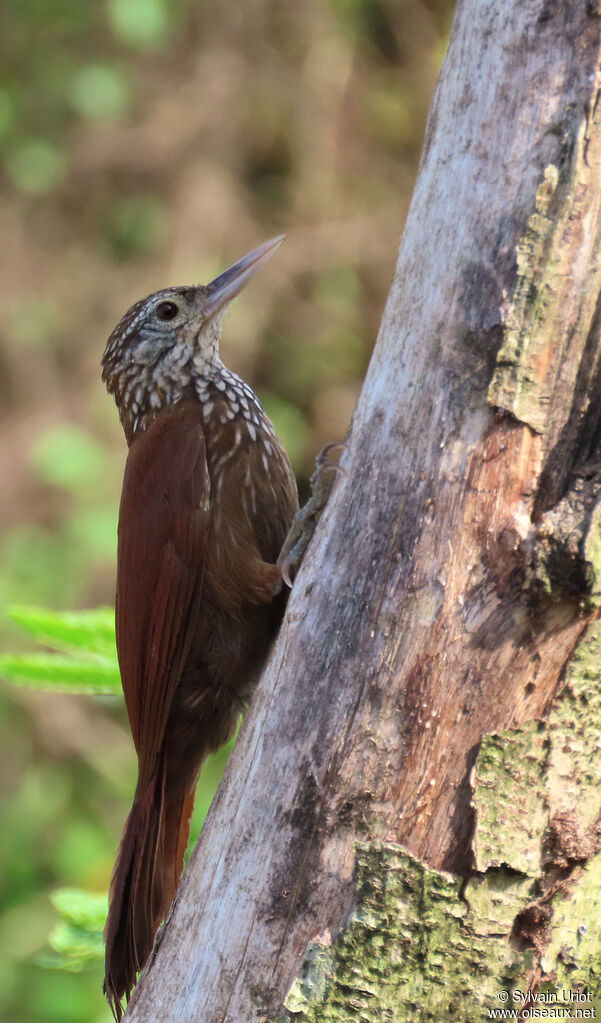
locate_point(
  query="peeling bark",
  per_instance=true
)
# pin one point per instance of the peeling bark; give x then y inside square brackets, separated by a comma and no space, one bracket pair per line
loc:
[409,820]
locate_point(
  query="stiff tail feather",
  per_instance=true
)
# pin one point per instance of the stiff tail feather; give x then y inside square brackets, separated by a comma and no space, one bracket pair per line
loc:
[144,881]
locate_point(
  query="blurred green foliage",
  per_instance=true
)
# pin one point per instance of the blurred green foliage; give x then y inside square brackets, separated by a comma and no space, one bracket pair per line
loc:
[142,25]
[88,663]
[66,457]
[35,165]
[76,938]
[146,143]
[100,90]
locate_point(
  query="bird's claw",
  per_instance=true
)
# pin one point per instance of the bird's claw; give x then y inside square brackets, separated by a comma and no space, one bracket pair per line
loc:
[284,565]
[306,519]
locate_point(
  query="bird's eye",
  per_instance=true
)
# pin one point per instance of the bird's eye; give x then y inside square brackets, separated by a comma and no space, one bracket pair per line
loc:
[167,310]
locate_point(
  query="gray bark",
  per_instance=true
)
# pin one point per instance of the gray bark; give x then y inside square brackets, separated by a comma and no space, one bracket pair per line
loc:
[439,602]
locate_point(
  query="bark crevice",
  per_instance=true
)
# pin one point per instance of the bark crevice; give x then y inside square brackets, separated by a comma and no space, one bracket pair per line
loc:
[566,550]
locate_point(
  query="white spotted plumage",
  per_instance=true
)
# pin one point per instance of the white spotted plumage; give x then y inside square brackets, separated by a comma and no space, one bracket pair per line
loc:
[151,367]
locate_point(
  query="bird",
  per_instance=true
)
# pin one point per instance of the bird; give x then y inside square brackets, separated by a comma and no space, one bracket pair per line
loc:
[208,498]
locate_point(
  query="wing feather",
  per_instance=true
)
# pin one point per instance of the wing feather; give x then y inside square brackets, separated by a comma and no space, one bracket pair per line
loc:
[163,530]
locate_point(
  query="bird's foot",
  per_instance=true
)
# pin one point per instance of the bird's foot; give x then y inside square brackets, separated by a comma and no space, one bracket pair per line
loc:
[305,520]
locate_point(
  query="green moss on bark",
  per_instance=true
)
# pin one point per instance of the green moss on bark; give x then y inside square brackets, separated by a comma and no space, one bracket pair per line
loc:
[412,949]
[517,384]
[509,798]
[574,729]
[571,956]
[592,556]
[420,946]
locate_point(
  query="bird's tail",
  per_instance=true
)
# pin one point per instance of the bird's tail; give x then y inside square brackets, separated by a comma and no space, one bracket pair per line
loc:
[144,881]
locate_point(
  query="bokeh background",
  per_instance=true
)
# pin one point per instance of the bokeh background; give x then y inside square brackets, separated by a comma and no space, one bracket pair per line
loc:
[145,143]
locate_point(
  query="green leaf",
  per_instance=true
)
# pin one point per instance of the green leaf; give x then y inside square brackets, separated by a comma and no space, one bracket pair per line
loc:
[81,908]
[76,938]
[90,631]
[88,661]
[61,674]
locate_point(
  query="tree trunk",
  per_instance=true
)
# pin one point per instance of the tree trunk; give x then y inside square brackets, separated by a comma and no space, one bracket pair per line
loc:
[409,824]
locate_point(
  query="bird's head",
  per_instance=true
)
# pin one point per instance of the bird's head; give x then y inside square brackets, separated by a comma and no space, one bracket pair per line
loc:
[167,336]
